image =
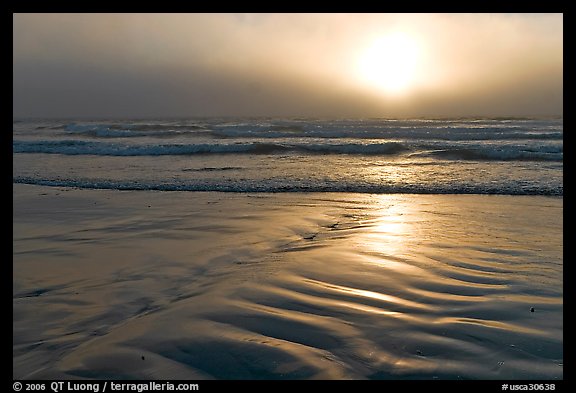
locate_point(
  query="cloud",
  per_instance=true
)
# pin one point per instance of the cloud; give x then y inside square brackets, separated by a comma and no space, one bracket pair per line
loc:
[127,65]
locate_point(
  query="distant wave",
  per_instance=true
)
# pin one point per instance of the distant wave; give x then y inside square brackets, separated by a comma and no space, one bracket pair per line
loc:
[435,150]
[498,154]
[333,130]
[290,186]
[131,130]
[76,147]
[454,134]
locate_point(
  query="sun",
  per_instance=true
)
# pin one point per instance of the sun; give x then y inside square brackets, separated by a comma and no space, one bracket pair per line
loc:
[390,63]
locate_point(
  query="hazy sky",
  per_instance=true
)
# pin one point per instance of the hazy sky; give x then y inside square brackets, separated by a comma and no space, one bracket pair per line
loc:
[344,65]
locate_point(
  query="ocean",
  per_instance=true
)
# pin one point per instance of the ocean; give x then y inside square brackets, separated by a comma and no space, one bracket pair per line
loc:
[477,156]
[265,248]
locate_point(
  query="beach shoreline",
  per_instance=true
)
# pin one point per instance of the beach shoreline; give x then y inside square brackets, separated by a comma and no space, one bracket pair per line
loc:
[208,285]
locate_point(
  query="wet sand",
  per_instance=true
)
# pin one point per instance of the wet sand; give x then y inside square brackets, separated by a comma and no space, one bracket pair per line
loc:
[194,285]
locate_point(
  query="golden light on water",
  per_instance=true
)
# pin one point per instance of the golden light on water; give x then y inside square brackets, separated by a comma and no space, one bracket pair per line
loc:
[389,229]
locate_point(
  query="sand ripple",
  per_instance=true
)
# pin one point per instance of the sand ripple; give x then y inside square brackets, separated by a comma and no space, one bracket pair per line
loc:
[295,287]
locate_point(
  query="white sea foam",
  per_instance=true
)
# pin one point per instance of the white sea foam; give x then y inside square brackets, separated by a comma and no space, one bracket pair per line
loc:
[289,185]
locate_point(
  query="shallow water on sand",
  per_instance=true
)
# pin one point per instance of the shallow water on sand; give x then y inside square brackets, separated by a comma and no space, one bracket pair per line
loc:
[162,285]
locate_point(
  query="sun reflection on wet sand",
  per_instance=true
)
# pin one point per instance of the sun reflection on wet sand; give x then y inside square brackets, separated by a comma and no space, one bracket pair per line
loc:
[294,287]
[389,234]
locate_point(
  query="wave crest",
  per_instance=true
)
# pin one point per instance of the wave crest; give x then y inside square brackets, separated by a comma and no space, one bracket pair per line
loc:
[455,152]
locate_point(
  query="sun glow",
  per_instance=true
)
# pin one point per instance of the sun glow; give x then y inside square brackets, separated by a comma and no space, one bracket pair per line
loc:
[390,63]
